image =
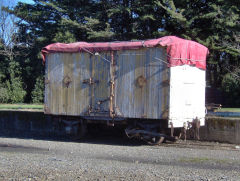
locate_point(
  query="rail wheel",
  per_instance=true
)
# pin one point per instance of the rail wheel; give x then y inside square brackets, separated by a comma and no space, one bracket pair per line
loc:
[156,140]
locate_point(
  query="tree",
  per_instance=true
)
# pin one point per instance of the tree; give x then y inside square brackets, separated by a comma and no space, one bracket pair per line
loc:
[4,97]
[8,30]
[231,86]
[38,91]
[213,23]
[11,79]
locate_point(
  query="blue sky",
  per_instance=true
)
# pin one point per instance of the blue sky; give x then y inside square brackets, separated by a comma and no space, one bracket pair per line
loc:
[14,2]
[25,1]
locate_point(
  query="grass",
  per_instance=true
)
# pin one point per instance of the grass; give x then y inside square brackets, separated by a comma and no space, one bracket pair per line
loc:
[229,110]
[21,106]
[40,107]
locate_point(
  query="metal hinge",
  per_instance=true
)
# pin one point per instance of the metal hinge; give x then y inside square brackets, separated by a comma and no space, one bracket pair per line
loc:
[90,81]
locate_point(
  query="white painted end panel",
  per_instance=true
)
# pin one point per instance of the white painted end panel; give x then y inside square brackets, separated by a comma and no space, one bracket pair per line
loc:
[187,95]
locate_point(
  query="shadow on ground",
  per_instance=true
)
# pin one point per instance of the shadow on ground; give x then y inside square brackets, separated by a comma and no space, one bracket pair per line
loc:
[105,136]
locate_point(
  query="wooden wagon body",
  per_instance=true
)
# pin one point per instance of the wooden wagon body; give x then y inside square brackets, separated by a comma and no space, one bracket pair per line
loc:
[160,79]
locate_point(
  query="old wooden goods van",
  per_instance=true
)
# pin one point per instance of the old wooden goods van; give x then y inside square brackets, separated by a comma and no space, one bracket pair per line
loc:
[145,85]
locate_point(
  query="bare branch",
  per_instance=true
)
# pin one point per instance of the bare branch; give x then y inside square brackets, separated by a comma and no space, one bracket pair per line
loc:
[8,29]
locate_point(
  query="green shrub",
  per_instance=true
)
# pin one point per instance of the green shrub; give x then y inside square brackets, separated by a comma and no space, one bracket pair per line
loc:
[38,91]
[4,96]
[231,88]
[15,90]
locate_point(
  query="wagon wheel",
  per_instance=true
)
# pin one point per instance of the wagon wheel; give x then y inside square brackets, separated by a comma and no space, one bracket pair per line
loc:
[156,141]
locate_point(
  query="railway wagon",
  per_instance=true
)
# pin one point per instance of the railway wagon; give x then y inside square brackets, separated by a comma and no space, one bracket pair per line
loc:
[149,86]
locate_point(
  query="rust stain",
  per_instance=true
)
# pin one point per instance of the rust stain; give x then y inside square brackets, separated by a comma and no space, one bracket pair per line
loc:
[112,86]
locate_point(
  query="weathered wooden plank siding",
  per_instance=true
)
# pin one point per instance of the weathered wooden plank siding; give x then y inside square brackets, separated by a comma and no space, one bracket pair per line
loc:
[131,100]
[150,100]
[47,87]
[101,90]
[55,77]
[75,98]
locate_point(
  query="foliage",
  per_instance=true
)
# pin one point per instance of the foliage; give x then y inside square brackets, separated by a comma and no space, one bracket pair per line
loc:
[231,87]
[4,95]
[3,65]
[213,23]
[15,90]
[66,37]
[37,93]
[14,85]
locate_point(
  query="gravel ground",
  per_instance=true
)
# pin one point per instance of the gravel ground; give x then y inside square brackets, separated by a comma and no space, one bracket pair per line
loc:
[111,159]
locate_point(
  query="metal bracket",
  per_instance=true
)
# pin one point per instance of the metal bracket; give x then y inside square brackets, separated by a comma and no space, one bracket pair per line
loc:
[102,101]
[90,81]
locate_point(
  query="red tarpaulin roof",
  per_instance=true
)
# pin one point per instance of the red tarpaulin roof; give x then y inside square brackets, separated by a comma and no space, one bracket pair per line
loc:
[180,51]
